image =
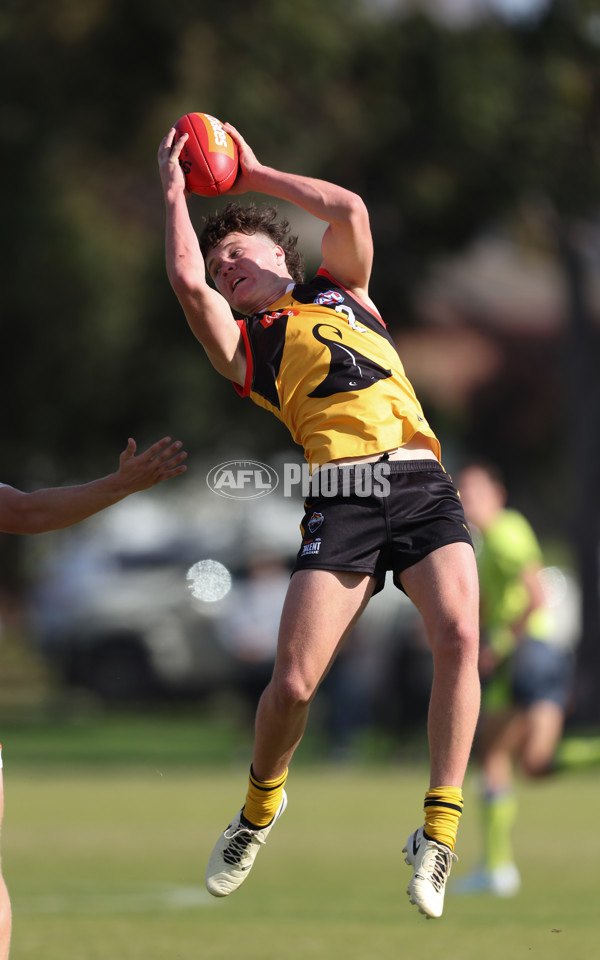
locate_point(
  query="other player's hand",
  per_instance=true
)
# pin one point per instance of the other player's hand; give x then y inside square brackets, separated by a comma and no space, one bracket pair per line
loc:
[163,460]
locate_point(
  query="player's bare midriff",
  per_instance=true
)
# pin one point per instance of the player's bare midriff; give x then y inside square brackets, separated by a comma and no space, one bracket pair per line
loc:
[412,450]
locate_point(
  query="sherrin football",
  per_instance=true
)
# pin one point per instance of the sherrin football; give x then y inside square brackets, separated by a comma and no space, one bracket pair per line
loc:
[209,158]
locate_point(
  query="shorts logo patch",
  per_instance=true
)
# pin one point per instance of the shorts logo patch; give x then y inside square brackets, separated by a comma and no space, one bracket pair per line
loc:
[315,521]
[311,547]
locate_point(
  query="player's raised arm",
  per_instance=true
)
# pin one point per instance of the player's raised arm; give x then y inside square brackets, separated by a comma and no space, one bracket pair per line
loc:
[347,246]
[54,508]
[206,311]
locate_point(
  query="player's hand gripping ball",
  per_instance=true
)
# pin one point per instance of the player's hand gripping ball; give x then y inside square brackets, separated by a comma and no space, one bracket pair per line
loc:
[209,158]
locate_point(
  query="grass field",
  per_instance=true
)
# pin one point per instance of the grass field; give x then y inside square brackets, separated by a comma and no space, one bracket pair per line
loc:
[107,860]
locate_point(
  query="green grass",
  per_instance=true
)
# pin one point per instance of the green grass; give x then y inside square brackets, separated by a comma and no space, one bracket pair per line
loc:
[167,736]
[108,862]
[176,738]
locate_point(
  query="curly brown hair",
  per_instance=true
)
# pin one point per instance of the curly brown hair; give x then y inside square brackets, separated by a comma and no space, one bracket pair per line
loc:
[235,218]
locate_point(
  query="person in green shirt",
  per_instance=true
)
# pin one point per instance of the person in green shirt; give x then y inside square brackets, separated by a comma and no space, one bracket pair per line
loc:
[526,676]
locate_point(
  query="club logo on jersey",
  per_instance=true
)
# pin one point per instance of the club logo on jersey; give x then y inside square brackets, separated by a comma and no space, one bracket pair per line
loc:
[315,521]
[330,296]
[348,369]
[311,547]
[268,318]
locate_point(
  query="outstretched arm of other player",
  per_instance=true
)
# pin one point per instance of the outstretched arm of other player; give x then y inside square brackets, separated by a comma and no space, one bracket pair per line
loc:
[207,312]
[536,598]
[347,245]
[54,508]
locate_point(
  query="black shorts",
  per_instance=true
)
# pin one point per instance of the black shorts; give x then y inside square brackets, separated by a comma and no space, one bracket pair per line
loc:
[374,517]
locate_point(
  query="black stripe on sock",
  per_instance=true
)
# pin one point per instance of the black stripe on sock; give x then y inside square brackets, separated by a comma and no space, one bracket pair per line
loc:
[264,789]
[260,785]
[443,803]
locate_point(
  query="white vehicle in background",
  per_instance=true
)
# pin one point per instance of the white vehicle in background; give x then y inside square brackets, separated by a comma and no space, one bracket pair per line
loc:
[112,609]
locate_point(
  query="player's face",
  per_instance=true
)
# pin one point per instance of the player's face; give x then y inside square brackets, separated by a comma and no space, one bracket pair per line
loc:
[248,270]
[481,496]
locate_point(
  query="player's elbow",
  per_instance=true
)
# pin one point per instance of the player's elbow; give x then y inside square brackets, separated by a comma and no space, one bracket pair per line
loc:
[185,281]
[354,209]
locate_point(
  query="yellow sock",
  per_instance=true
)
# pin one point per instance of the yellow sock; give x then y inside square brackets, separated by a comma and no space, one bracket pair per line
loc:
[443,807]
[263,799]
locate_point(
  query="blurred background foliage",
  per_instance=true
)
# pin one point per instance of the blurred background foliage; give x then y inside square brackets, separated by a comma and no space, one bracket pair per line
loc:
[455,122]
[444,132]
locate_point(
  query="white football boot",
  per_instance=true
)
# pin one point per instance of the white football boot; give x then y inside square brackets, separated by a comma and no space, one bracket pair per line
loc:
[432,863]
[234,853]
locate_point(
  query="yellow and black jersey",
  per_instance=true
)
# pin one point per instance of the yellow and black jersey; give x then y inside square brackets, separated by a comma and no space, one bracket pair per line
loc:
[324,363]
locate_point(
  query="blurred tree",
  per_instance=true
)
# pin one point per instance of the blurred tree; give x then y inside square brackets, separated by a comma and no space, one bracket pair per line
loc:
[440,130]
[478,121]
[102,348]
[443,131]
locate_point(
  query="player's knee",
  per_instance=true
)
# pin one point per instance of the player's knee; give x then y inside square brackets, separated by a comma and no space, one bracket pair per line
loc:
[291,691]
[457,640]
[536,765]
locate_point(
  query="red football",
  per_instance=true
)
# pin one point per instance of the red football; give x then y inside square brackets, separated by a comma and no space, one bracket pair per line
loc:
[209,158]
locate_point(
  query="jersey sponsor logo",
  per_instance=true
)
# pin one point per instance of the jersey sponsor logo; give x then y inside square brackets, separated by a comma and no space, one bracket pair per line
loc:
[315,521]
[268,318]
[330,296]
[311,547]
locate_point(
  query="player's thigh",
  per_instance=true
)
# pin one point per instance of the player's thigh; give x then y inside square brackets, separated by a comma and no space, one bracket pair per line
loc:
[445,588]
[545,720]
[320,609]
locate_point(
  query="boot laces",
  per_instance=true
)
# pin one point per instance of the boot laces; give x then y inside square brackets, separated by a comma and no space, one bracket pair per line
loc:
[239,840]
[438,863]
